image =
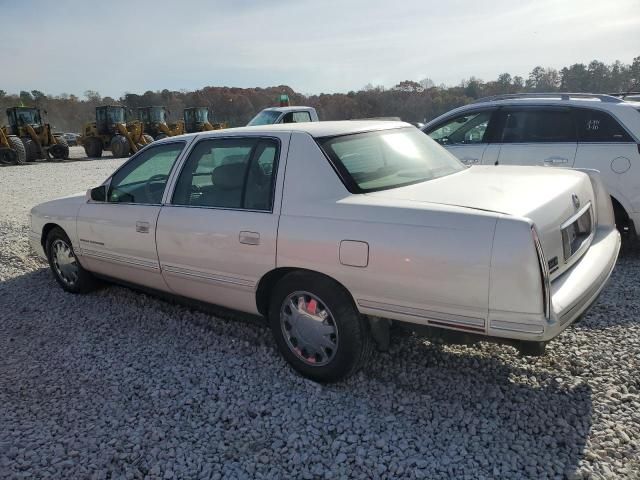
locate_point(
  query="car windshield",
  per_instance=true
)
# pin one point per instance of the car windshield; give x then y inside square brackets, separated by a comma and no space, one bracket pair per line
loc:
[266,117]
[388,159]
[28,117]
[157,115]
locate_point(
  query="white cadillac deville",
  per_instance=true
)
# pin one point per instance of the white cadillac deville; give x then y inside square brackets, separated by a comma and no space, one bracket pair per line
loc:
[336,230]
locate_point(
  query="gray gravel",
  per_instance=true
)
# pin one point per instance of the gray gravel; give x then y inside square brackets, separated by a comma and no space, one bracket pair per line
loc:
[118,384]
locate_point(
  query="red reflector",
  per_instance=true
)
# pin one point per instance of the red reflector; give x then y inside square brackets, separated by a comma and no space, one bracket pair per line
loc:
[312,306]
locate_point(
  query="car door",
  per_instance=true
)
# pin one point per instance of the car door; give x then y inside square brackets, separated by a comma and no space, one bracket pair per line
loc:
[465,135]
[117,235]
[543,136]
[217,236]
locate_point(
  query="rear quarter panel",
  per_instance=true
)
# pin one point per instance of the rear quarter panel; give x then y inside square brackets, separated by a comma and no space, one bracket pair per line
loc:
[425,261]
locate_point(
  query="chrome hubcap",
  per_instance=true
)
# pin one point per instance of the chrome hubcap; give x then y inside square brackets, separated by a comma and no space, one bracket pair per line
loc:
[64,262]
[309,328]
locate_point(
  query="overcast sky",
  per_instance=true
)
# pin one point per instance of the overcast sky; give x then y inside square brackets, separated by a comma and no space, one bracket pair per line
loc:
[311,45]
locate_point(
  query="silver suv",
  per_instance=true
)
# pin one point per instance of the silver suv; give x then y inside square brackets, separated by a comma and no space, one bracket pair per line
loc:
[578,130]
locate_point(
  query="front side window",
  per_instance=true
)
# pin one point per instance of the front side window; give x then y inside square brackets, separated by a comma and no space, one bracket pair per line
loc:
[144,178]
[537,126]
[464,129]
[599,126]
[388,159]
[234,173]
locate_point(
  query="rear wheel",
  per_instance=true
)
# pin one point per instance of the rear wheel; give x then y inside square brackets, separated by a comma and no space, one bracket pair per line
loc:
[18,147]
[119,146]
[317,327]
[65,266]
[93,147]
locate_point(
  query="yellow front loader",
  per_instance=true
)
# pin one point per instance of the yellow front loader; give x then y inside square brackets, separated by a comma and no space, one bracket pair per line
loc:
[111,132]
[154,120]
[29,138]
[196,119]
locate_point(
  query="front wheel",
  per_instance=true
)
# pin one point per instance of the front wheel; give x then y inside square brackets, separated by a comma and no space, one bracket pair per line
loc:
[65,266]
[317,327]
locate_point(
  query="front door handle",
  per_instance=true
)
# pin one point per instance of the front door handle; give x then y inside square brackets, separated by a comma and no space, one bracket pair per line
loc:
[142,227]
[249,238]
[556,160]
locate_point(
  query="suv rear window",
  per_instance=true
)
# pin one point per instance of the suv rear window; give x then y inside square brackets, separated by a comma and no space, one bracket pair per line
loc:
[388,159]
[599,126]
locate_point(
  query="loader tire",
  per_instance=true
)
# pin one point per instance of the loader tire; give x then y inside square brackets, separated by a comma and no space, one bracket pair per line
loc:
[93,147]
[119,146]
[18,147]
[63,153]
[30,148]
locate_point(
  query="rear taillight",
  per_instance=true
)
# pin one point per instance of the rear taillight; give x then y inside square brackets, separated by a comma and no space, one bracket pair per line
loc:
[544,274]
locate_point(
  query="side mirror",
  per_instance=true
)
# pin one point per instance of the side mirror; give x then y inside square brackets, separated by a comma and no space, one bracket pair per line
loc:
[98,194]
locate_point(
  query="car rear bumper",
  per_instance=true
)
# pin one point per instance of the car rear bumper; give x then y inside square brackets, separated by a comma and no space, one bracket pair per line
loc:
[577,289]
[572,293]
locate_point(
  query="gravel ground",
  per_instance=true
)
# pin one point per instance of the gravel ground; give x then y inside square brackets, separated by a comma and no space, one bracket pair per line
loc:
[119,384]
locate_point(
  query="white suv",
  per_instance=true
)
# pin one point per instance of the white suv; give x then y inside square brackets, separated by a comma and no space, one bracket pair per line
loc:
[576,130]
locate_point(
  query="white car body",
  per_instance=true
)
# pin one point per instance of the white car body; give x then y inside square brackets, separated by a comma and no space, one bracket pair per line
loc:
[616,157]
[276,115]
[458,252]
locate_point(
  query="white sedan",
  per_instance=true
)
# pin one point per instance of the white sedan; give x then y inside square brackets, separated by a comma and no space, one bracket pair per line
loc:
[336,230]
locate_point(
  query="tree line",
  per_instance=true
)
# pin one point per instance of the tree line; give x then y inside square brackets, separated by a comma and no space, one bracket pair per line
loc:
[412,101]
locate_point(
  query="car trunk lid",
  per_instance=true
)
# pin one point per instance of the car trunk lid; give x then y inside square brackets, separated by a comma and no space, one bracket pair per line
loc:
[553,199]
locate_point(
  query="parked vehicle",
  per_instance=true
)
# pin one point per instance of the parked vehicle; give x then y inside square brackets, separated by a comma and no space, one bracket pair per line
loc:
[70,138]
[557,130]
[273,115]
[333,230]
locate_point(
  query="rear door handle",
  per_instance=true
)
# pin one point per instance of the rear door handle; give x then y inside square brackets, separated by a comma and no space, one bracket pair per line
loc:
[556,160]
[249,238]
[142,227]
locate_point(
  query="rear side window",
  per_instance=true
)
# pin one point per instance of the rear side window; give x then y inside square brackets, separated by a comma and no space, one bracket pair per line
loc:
[537,126]
[233,173]
[301,117]
[598,126]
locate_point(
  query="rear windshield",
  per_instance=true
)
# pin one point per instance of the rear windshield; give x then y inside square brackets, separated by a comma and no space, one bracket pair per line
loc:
[387,159]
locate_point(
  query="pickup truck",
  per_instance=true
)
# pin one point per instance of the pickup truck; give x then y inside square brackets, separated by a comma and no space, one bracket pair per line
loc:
[273,115]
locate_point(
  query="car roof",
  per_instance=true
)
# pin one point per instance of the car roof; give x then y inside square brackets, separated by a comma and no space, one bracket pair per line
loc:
[287,109]
[315,129]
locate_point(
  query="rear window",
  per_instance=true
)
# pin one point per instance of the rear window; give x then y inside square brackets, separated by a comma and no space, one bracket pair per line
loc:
[388,159]
[599,126]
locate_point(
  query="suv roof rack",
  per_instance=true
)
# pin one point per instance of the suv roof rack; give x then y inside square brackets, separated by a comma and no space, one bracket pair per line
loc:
[562,95]
[624,94]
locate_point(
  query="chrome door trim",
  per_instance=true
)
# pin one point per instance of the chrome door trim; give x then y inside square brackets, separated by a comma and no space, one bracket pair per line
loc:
[208,277]
[109,257]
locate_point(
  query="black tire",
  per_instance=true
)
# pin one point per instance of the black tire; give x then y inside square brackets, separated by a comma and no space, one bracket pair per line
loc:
[84,281]
[65,148]
[93,147]
[119,146]
[19,148]
[148,139]
[354,342]
[160,136]
[30,148]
